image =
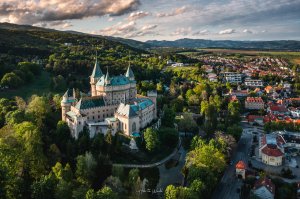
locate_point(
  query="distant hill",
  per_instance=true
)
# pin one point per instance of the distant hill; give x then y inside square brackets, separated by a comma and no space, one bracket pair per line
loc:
[30,40]
[202,43]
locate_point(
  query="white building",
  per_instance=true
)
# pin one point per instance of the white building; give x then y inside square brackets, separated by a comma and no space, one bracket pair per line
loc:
[271,150]
[254,103]
[113,105]
[232,77]
[254,83]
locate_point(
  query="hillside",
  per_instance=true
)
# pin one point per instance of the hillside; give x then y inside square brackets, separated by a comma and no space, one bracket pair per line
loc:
[255,45]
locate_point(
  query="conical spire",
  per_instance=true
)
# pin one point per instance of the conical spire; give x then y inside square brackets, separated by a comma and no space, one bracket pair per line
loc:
[97,73]
[129,72]
[107,78]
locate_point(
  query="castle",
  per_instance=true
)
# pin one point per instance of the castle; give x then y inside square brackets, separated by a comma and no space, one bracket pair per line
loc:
[113,105]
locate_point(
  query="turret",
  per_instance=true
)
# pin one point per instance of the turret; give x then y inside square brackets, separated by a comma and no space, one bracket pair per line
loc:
[129,74]
[66,104]
[96,75]
[107,78]
[153,95]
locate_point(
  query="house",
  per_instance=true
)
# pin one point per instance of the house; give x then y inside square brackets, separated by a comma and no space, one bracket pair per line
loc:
[254,103]
[269,89]
[256,119]
[232,77]
[295,112]
[238,93]
[264,188]
[277,109]
[240,169]
[254,83]
[271,149]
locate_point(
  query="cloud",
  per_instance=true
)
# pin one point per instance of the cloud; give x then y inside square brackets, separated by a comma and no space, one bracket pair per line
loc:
[137,15]
[227,31]
[247,31]
[31,11]
[182,31]
[128,30]
[201,32]
[175,12]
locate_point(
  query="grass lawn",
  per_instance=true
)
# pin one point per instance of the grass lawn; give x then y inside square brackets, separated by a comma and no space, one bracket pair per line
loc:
[40,86]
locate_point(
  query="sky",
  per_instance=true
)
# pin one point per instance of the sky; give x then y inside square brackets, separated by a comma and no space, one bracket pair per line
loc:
[162,19]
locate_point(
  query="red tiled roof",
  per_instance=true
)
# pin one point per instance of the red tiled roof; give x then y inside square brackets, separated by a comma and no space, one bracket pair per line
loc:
[269,151]
[254,100]
[278,108]
[240,165]
[251,118]
[265,182]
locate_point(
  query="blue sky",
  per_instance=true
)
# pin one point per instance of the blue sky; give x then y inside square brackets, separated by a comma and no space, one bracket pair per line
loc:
[162,19]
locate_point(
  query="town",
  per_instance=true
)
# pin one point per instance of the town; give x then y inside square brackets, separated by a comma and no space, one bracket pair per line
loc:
[139,99]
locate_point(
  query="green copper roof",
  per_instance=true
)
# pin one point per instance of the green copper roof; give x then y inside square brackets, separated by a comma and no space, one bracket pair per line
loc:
[129,73]
[114,81]
[97,70]
[90,102]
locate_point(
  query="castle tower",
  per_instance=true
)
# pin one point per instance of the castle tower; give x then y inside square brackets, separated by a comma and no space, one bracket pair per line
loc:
[96,75]
[130,75]
[65,105]
[153,96]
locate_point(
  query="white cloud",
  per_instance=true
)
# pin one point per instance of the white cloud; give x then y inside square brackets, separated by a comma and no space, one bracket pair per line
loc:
[247,31]
[182,31]
[128,30]
[175,12]
[137,15]
[149,27]
[201,32]
[227,31]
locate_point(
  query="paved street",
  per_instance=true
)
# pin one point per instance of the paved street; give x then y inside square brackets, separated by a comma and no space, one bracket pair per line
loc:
[229,184]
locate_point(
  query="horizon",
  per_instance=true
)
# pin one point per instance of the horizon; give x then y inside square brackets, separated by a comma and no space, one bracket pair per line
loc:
[143,20]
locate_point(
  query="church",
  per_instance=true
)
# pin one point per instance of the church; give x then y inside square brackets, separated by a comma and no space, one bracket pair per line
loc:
[112,105]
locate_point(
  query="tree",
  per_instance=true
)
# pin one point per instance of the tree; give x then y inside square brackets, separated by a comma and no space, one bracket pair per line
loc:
[85,168]
[151,139]
[168,117]
[133,175]
[234,112]
[114,183]
[168,136]
[235,131]
[159,87]
[207,156]
[11,80]
[44,187]
[187,123]
[14,117]
[38,109]
[29,135]
[171,192]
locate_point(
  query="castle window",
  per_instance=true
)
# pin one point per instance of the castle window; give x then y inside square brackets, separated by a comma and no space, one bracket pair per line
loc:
[133,126]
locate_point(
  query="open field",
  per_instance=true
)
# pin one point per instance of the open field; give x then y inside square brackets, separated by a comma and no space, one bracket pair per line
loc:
[251,52]
[40,86]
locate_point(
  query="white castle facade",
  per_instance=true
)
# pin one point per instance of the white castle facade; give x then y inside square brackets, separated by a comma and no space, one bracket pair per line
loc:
[113,104]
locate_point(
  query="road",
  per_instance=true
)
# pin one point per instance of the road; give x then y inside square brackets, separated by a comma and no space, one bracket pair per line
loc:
[229,184]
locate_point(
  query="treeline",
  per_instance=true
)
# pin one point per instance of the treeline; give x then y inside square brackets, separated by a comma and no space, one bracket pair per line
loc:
[23,73]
